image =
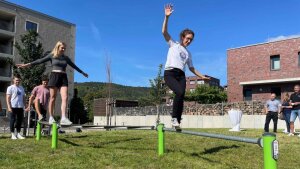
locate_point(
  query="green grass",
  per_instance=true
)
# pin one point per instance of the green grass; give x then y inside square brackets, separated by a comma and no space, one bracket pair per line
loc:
[138,149]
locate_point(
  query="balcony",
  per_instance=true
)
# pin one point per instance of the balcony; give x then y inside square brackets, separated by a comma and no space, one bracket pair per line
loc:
[7,22]
[6,44]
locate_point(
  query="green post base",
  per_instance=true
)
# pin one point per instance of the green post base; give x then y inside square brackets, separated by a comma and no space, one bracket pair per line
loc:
[38,131]
[54,136]
[161,139]
[270,147]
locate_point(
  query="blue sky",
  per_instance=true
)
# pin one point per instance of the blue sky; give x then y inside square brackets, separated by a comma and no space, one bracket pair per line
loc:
[129,32]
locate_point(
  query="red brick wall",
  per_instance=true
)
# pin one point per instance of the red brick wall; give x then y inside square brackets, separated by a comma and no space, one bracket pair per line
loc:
[253,63]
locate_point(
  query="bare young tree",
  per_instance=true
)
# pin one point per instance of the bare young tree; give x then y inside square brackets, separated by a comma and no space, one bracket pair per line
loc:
[109,101]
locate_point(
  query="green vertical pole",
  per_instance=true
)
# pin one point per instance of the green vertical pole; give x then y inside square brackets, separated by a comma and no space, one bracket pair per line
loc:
[38,131]
[270,146]
[161,139]
[54,136]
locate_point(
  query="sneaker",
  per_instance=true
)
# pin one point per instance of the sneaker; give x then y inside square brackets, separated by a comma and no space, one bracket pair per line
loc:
[40,118]
[65,122]
[174,122]
[13,136]
[19,136]
[51,120]
[291,134]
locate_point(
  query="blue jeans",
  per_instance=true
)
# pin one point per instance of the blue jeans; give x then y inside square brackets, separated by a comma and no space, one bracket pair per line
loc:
[287,118]
[294,115]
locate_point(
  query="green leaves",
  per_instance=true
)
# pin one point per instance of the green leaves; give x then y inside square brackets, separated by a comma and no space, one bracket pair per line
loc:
[30,49]
[206,94]
[157,89]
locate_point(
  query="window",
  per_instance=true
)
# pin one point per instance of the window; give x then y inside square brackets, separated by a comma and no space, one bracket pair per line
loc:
[31,26]
[298,59]
[192,90]
[192,82]
[200,82]
[247,94]
[275,62]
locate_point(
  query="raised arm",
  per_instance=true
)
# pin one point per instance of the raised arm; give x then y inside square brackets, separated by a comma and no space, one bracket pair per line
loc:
[168,12]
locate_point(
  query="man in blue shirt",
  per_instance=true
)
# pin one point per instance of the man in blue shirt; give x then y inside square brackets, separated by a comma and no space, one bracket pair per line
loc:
[272,108]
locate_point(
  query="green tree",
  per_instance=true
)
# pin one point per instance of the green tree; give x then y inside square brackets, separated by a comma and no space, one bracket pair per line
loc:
[158,88]
[206,94]
[30,49]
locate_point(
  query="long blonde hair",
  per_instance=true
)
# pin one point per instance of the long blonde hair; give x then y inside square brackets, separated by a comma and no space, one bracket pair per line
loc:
[286,97]
[55,49]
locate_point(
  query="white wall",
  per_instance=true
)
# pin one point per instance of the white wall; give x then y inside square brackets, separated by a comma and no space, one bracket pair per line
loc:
[193,121]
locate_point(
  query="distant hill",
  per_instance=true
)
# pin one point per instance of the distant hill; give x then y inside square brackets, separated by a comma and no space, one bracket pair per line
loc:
[99,90]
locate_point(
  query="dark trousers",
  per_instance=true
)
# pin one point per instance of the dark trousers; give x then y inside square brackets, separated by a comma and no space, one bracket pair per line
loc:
[175,80]
[16,118]
[274,117]
[287,117]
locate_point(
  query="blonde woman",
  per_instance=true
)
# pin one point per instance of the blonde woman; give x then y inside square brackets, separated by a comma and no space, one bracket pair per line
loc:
[286,110]
[58,79]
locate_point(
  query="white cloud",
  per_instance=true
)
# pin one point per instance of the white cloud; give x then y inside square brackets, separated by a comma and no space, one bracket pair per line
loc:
[282,37]
[95,31]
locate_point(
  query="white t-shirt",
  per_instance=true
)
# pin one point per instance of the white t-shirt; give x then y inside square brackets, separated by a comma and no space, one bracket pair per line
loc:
[178,56]
[17,94]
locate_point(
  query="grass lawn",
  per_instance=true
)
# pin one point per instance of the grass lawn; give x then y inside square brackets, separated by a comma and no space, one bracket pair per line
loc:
[138,149]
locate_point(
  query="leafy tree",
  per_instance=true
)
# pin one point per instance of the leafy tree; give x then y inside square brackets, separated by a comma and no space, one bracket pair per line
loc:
[206,94]
[30,49]
[158,88]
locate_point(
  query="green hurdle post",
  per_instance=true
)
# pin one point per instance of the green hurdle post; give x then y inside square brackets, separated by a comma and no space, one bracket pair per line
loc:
[161,139]
[271,151]
[38,131]
[54,136]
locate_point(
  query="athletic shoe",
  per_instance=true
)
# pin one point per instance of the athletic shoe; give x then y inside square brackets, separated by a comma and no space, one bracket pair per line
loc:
[19,136]
[65,122]
[40,118]
[174,122]
[291,134]
[13,136]
[51,120]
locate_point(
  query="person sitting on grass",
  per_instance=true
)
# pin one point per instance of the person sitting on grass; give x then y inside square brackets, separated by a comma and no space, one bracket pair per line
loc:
[40,97]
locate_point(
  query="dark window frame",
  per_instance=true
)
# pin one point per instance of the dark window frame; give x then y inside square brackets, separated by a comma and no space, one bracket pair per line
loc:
[272,57]
[29,27]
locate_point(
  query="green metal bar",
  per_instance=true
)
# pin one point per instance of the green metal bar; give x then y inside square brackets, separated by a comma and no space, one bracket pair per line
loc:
[161,139]
[270,146]
[54,136]
[38,131]
[219,136]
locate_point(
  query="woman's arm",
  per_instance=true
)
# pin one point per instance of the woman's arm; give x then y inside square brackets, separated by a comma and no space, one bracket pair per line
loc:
[39,61]
[168,12]
[193,70]
[69,61]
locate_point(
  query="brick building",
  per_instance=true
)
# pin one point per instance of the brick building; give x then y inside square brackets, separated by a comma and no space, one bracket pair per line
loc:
[16,20]
[193,81]
[256,70]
